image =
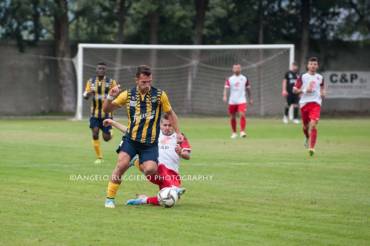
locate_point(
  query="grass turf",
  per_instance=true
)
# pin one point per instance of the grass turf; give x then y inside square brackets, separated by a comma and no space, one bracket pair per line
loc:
[260,190]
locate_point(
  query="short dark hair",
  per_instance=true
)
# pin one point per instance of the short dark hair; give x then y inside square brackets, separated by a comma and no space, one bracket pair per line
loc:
[313,59]
[165,117]
[143,69]
[295,63]
[102,64]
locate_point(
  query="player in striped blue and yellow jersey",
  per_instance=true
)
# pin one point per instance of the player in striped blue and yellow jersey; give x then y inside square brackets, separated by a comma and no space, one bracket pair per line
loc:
[144,104]
[97,88]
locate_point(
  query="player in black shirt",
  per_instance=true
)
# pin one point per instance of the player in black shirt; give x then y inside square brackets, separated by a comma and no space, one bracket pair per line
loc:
[287,91]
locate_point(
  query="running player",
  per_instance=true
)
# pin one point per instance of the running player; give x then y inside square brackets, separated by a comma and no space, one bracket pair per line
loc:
[287,91]
[170,153]
[97,87]
[311,88]
[144,105]
[237,84]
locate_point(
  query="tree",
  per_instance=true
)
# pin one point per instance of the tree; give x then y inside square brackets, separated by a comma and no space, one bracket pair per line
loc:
[121,18]
[20,21]
[356,20]
[62,51]
[200,9]
[305,34]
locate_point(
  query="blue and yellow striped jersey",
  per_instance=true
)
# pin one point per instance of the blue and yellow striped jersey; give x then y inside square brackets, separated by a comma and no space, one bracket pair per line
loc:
[101,89]
[144,113]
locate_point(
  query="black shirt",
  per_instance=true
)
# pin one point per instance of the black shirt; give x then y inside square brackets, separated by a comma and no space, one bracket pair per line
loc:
[291,78]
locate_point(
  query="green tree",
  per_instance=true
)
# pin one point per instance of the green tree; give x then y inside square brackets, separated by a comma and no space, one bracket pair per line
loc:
[63,52]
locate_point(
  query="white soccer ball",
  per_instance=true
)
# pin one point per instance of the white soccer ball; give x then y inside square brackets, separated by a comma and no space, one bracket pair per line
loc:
[167,197]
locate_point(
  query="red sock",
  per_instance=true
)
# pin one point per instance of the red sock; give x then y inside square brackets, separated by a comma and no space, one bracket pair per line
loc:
[305,131]
[243,122]
[152,200]
[313,138]
[233,124]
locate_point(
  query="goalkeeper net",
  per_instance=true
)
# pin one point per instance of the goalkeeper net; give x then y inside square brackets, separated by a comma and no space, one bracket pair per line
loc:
[193,76]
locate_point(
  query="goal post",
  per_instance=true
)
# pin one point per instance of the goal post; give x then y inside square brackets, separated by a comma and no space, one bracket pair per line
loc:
[194,74]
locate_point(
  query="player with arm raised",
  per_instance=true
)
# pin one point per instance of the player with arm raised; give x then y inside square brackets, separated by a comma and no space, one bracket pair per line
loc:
[287,91]
[311,88]
[238,84]
[170,153]
[144,105]
[97,88]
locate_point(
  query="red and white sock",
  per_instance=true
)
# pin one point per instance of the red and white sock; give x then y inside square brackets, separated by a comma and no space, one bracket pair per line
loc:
[313,137]
[243,123]
[233,124]
[152,200]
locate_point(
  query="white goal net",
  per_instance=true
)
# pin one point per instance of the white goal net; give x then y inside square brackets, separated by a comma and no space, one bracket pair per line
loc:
[192,75]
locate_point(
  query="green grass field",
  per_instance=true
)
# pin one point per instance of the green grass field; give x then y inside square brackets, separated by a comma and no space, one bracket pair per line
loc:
[264,189]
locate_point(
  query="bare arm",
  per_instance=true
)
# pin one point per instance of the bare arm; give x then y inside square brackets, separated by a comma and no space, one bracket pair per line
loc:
[226,91]
[110,122]
[172,117]
[89,90]
[108,106]
[249,94]
[86,95]
[296,90]
[322,91]
[185,154]
[284,93]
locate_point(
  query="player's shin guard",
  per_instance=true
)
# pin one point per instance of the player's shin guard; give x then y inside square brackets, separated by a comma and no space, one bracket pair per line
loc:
[233,124]
[152,200]
[112,190]
[96,145]
[313,137]
[243,122]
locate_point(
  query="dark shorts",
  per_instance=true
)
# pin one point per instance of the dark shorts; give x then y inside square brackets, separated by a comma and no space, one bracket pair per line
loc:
[98,123]
[146,152]
[292,99]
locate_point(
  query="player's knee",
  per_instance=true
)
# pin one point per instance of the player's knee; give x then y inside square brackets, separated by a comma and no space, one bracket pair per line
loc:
[107,137]
[95,133]
[122,163]
[149,169]
[313,123]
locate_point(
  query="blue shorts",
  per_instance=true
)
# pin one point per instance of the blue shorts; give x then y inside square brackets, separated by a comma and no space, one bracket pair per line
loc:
[98,123]
[146,152]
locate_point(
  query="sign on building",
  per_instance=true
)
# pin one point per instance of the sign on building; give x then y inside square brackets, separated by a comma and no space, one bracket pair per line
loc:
[347,84]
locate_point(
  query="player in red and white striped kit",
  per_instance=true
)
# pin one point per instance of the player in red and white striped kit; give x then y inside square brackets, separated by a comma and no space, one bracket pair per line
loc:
[237,84]
[310,86]
[170,153]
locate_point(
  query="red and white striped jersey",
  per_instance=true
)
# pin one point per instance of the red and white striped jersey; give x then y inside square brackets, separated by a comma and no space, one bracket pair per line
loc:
[315,82]
[167,153]
[237,85]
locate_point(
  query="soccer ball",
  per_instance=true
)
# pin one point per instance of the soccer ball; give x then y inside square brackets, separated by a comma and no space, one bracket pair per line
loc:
[167,197]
